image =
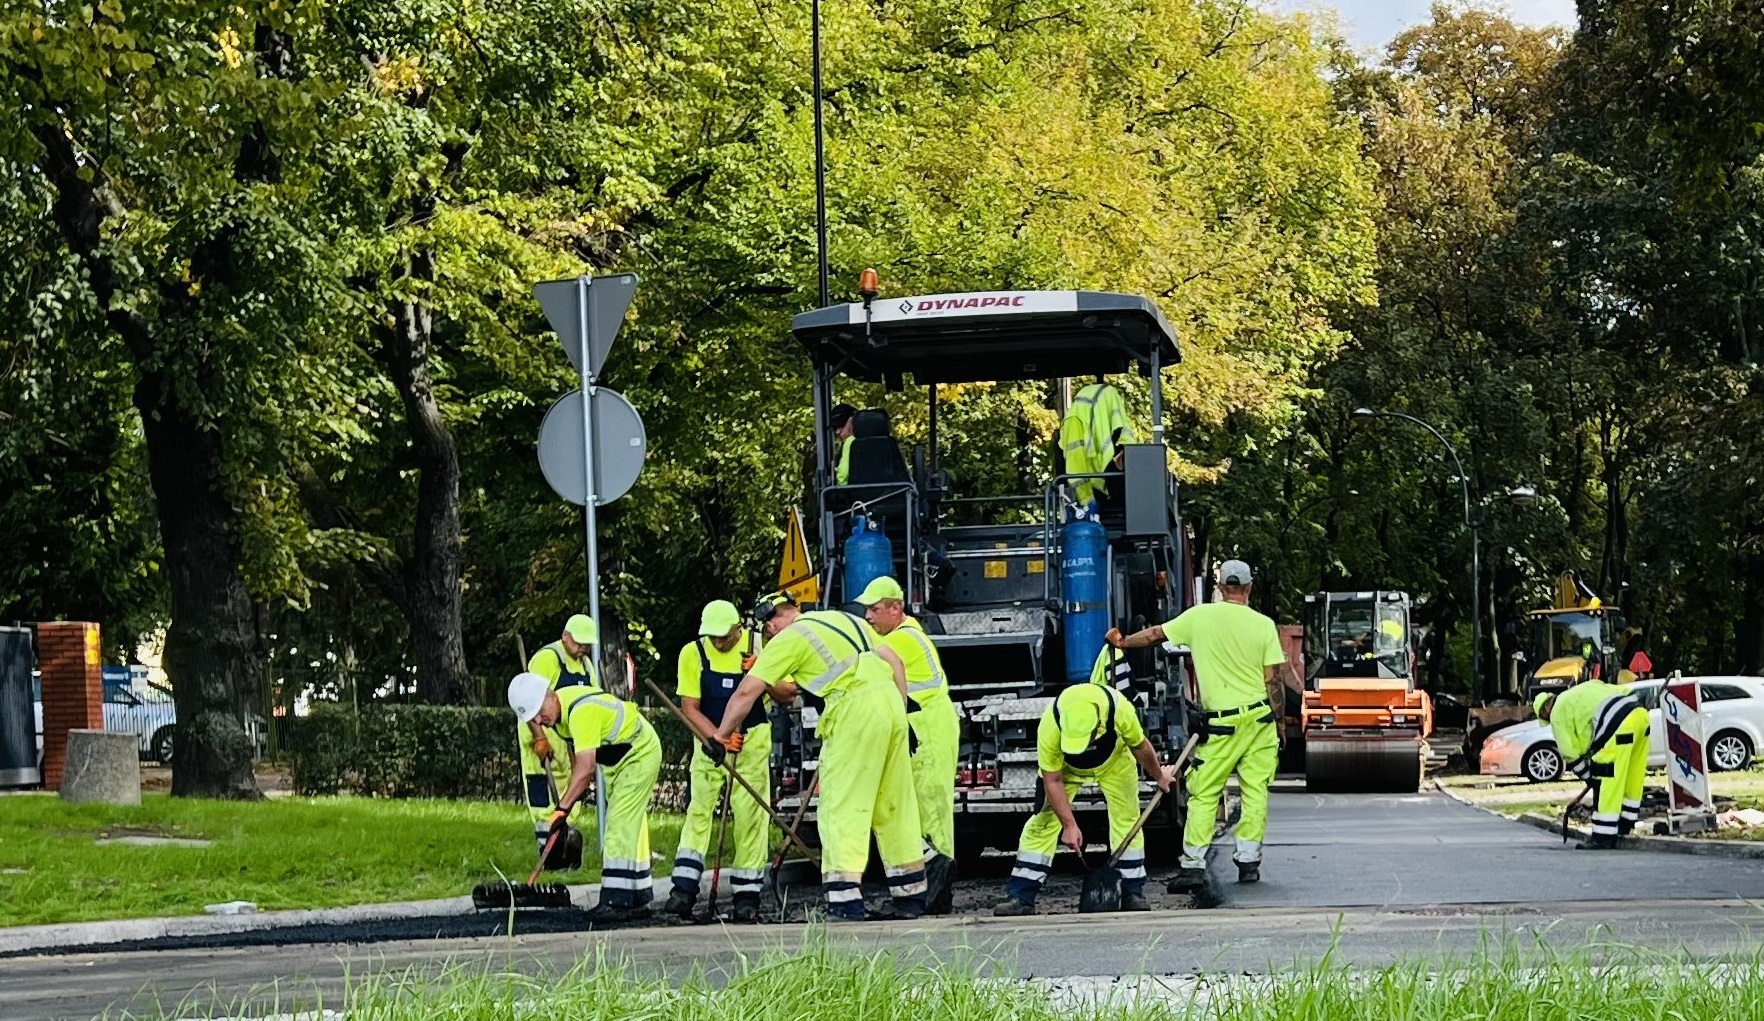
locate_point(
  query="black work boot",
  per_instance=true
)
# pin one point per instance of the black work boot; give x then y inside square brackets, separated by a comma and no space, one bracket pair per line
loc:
[1011,907]
[1625,827]
[680,903]
[1249,871]
[617,912]
[747,906]
[1186,880]
[1135,902]
[1598,842]
[939,885]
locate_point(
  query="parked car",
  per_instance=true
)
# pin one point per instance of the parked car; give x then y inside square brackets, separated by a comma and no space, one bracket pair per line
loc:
[148,713]
[1732,706]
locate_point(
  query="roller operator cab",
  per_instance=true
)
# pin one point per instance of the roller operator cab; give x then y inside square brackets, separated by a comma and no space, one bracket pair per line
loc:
[1365,721]
[1015,589]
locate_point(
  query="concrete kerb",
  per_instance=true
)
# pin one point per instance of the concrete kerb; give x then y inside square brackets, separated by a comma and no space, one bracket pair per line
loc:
[1736,849]
[26,939]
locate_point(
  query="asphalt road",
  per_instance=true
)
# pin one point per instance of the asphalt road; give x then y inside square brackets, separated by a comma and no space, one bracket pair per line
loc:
[1370,880]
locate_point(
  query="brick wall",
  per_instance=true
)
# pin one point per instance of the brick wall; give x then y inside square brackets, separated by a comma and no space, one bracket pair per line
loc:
[68,654]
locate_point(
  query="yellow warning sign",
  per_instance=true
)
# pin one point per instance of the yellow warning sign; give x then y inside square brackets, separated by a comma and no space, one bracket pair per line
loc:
[796,573]
[998,569]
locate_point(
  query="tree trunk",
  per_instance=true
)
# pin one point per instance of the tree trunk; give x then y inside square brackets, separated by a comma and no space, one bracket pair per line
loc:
[432,574]
[210,648]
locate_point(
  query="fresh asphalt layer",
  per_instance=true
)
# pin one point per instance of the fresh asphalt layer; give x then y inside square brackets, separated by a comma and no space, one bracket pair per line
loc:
[1368,880]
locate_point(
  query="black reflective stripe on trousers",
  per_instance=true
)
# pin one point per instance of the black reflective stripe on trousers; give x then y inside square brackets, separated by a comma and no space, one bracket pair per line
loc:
[538,791]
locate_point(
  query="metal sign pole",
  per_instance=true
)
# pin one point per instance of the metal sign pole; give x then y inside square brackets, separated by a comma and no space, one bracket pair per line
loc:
[584,295]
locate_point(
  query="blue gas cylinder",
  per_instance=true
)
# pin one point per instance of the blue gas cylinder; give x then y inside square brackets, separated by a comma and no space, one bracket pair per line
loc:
[1084,593]
[868,556]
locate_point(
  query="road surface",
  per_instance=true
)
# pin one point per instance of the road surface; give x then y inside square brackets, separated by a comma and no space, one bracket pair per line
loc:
[1372,880]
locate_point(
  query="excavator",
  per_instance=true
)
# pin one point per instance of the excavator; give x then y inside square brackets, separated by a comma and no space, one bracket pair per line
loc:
[1576,638]
[1365,721]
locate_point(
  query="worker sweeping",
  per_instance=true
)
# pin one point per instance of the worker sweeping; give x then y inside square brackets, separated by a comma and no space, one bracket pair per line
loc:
[1235,652]
[866,773]
[602,730]
[708,671]
[936,732]
[1090,734]
[1602,732]
[567,662]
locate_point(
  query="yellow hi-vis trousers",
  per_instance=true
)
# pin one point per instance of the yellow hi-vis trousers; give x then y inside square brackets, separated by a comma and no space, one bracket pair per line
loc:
[624,874]
[1620,769]
[1244,742]
[939,732]
[1118,779]
[867,786]
[539,803]
[749,827]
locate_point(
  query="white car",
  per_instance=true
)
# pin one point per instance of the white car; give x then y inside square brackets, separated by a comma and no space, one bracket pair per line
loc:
[1733,708]
[148,713]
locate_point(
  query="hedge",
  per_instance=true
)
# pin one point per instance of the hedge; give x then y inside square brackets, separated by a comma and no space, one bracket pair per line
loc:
[427,751]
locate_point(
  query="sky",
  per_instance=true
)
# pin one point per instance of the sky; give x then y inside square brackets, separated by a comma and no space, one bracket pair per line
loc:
[1372,23]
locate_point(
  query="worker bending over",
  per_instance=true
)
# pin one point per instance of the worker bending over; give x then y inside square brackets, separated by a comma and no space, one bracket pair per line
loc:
[1602,732]
[602,730]
[1235,652]
[936,733]
[709,670]
[567,661]
[866,775]
[1090,734]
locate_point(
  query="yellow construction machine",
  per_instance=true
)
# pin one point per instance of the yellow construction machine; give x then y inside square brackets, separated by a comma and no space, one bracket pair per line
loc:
[1576,639]
[1365,721]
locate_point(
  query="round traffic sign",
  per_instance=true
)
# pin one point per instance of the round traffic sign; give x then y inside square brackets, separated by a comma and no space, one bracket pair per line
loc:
[619,447]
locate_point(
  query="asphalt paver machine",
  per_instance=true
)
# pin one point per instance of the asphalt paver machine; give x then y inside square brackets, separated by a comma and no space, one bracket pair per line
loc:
[1014,589]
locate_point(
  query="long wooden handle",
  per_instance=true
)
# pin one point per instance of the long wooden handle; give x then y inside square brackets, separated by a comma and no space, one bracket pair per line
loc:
[765,806]
[1181,762]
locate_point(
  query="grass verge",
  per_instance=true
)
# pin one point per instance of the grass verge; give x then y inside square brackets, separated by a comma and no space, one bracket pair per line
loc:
[817,981]
[281,853]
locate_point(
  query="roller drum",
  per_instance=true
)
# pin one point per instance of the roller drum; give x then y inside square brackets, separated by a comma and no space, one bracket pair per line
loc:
[1386,765]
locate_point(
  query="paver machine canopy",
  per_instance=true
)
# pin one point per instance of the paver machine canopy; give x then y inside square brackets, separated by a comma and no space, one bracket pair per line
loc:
[1003,595]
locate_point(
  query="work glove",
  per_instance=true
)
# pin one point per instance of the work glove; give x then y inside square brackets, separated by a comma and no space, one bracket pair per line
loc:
[747,662]
[560,822]
[717,751]
[542,747]
[912,741]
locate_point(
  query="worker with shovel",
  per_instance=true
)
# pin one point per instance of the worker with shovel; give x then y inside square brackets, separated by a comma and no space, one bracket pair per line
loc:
[1236,652]
[1090,734]
[1602,732]
[866,775]
[605,731]
[936,733]
[709,670]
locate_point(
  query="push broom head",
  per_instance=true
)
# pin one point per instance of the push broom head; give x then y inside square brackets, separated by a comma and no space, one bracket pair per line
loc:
[503,895]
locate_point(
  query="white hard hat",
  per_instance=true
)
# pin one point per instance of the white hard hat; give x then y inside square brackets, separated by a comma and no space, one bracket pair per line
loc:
[526,693]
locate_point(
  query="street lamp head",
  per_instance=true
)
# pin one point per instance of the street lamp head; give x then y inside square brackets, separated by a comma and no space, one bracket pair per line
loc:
[1365,413]
[1522,497]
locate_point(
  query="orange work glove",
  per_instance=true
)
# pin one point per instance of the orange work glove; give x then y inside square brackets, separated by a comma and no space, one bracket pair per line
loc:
[542,747]
[734,742]
[747,663]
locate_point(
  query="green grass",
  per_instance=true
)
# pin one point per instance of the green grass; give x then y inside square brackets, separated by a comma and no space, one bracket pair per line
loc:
[281,853]
[818,982]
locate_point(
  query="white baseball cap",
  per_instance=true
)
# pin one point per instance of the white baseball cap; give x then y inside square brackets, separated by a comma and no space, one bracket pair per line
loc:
[526,693]
[1234,572]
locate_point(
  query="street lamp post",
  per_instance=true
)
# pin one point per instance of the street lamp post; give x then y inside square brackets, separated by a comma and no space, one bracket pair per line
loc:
[1475,541]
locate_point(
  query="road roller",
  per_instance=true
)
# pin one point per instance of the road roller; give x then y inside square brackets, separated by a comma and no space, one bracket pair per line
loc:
[1365,722]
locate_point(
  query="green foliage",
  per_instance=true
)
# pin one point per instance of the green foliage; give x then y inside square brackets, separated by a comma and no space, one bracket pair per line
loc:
[425,751]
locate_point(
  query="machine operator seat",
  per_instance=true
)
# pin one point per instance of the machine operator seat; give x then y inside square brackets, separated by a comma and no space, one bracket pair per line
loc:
[877,467]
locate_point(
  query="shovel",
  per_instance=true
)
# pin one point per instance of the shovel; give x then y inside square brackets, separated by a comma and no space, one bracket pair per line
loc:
[1102,887]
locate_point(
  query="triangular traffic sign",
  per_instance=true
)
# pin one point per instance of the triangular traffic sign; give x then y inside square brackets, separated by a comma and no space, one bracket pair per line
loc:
[796,574]
[608,299]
